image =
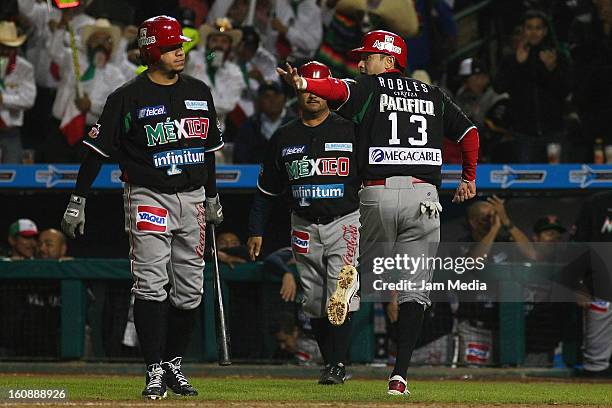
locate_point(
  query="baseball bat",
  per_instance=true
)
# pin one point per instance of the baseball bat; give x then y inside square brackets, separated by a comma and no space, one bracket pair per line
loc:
[223,337]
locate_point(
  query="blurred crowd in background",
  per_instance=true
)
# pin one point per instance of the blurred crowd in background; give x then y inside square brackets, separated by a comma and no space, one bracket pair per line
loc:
[534,75]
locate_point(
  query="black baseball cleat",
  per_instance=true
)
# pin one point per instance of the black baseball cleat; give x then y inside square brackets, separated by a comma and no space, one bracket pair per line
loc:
[155,385]
[335,375]
[176,380]
[325,371]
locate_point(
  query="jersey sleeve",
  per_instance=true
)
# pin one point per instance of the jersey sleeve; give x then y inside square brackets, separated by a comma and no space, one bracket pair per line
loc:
[214,139]
[360,95]
[456,124]
[104,137]
[271,178]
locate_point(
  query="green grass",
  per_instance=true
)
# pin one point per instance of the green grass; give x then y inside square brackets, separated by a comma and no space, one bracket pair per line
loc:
[258,389]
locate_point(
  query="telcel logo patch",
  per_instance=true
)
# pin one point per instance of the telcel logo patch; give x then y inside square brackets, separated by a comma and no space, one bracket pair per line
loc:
[301,149]
[149,111]
[153,219]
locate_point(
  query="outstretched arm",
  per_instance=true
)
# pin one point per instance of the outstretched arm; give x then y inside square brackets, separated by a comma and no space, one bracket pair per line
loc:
[330,89]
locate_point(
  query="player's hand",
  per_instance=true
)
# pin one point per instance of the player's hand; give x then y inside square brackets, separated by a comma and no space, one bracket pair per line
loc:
[288,288]
[74,216]
[465,191]
[254,246]
[214,211]
[292,77]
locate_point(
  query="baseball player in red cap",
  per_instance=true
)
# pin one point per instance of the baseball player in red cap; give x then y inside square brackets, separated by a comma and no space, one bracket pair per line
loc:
[162,129]
[312,162]
[400,125]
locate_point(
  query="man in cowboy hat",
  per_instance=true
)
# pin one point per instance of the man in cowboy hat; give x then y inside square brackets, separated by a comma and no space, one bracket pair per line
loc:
[17,92]
[210,64]
[84,89]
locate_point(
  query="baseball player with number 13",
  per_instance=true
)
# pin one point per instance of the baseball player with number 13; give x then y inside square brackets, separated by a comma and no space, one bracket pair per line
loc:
[400,125]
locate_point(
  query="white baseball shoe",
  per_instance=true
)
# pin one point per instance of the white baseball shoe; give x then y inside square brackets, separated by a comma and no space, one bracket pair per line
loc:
[398,386]
[346,288]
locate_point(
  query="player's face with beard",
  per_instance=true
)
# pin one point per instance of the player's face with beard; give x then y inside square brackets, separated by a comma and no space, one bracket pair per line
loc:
[311,103]
[172,59]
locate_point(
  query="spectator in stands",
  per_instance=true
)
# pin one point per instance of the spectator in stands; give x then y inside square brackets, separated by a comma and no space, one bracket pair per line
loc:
[121,58]
[235,10]
[277,263]
[478,100]
[17,92]
[293,341]
[291,29]
[592,55]
[537,79]
[257,65]
[52,245]
[477,313]
[436,38]
[79,101]
[475,96]
[230,250]
[37,121]
[22,239]
[211,63]
[346,21]
[548,229]
[253,138]
[486,220]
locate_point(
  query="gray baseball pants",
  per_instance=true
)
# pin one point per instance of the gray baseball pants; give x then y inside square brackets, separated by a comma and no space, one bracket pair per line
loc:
[320,252]
[391,224]
[598,336]
[167,237]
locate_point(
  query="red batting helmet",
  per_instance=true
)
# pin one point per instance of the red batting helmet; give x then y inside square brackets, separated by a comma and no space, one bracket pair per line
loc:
[384,42]
[158,32]
[314,70]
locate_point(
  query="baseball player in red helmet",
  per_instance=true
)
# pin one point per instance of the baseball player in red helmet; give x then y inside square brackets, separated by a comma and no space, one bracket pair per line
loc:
[162,129]
[312,161]
[400,125]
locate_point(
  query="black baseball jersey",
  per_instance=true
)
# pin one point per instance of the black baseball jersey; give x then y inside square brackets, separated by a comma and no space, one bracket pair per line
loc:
[594,223]
[314,166]
[401,122]
[159,134]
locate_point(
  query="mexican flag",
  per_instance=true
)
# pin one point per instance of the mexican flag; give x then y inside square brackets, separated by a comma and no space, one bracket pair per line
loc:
[73,122]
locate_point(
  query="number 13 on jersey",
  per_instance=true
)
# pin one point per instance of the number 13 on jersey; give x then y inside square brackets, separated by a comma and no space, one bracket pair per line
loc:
[421,129]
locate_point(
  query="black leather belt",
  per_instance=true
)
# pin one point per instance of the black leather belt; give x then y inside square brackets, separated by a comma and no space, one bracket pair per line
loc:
[322,220]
